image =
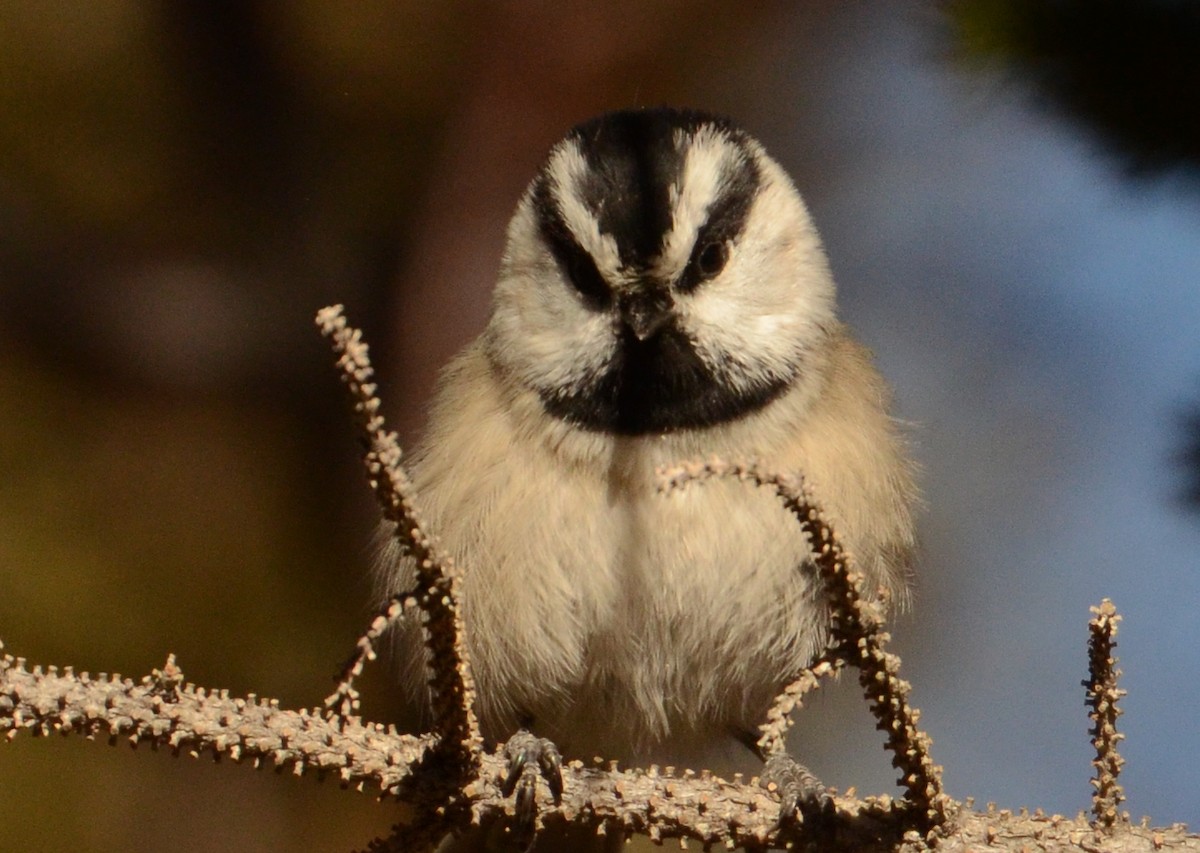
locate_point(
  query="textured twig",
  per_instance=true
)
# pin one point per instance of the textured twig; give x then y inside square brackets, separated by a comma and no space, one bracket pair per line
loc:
[857,629]
[1102,697]
[345,698]
[162,711]
[438,591]
[779,716]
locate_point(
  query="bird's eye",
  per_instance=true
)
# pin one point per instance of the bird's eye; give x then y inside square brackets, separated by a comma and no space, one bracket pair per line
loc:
[707,260]
[711,259]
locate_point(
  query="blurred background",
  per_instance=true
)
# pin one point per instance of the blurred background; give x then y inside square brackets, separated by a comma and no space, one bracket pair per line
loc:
[1008,193]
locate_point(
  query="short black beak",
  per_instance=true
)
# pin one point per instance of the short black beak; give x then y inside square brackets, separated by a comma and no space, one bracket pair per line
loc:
[645,310]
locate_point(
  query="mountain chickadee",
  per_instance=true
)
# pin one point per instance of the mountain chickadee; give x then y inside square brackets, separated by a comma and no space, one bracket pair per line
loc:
[663,297]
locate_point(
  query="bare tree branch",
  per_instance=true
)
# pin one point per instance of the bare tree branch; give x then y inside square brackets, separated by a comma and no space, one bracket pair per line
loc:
[451,783]
[164,712]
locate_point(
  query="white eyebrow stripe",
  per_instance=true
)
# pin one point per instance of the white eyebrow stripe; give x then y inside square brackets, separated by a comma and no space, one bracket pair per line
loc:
[567,170]
[701,181]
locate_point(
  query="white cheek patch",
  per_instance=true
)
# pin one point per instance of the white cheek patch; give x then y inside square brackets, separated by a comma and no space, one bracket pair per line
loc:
[539,329]
[745,343]
[568,170]
[566,353]
[546,338]
[772,302]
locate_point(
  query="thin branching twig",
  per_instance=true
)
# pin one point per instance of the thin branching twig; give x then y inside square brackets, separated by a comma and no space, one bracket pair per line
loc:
[438,593]
[345,698]
[1102,697]
[857,629]
[779,715]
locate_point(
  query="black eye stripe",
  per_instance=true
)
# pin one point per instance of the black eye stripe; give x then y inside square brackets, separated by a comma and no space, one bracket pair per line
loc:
[633,161]
[582,273]
[577,264]
[724,224]
[635,157]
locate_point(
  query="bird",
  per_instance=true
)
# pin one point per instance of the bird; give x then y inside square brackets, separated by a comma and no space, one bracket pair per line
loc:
[663,296]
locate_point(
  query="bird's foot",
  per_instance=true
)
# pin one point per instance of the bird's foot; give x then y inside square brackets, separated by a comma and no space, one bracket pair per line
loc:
[802,796]
[529,756]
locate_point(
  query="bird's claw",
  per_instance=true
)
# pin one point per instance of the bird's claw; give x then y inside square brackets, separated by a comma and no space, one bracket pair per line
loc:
[529,756]
[801,794]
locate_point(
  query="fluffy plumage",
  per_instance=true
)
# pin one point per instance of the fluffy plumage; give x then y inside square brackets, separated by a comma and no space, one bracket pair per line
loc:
[663,296]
